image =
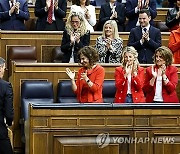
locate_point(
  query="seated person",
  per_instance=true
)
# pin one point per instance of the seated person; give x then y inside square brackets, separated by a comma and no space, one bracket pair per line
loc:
[13,14]
[174,44]
[50,14]
[173,17]
[145,38]
[88,12]
[89,83]
[75,36]
[132,11]
[112,11]
[109,45]
[129,78]
[162,78]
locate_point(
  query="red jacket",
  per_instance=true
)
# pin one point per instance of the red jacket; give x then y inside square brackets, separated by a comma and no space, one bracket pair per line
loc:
[174,45]
[136,86]
[168,91]
[94,93]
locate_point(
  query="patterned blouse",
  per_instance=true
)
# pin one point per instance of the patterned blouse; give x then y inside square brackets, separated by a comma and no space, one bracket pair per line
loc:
[115,52]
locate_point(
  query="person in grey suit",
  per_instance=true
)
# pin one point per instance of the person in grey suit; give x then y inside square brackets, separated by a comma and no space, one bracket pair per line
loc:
[145,38]
[6,111]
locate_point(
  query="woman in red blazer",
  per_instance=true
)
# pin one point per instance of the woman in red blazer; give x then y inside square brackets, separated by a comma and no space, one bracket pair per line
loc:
[88,86]
[162,78]
[129,78]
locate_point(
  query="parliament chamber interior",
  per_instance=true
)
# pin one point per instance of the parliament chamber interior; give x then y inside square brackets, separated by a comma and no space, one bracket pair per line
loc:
[56,124]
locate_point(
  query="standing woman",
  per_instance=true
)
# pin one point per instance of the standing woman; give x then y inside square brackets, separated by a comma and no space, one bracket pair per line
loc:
[162,78]
[75,36]
[88,86]
[88,12]
[109,45]
[129,78]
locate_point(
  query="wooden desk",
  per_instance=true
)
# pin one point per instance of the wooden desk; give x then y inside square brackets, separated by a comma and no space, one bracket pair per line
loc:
[63,130]
[53,72]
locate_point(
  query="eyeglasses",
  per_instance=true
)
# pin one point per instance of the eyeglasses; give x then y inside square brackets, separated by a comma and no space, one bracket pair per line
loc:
[76,22]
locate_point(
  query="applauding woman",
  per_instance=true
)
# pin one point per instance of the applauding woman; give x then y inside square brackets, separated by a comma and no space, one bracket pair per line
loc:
[109,45]
[161,78]
[129,78]
[88,86]
[88,11]
[75,36]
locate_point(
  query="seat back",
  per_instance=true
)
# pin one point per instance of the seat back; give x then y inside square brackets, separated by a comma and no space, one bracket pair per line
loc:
[65,93]
[57,55]
[35,92]
[21,54]
[109,91]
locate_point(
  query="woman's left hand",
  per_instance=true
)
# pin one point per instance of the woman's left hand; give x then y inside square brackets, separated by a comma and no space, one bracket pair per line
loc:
[84,76]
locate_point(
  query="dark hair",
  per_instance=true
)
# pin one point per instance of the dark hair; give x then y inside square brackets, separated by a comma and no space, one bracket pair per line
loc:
[145,11]
[78,2]
[2,61]
[166,54]
[90,52]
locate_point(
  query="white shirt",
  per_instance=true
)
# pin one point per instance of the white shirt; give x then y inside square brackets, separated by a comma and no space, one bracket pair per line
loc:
[129,84]
[158,91]
[90,22]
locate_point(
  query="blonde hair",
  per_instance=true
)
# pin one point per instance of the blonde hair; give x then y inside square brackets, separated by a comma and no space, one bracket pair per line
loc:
[133,51]
[82,29]
[114,26]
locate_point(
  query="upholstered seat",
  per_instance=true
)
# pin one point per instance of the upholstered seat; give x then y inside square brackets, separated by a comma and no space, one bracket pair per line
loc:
[65,93]
[57,55]
[21,54]
[35,92]
[109,91]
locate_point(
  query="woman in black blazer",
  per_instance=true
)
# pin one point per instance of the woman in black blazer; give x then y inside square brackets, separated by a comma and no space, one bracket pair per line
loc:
[75,37]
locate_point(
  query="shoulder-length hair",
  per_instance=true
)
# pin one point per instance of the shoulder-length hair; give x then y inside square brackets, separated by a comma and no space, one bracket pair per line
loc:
[114,27]
[77,2]
[90,52]
[133,51]
[166,54]
[82,28]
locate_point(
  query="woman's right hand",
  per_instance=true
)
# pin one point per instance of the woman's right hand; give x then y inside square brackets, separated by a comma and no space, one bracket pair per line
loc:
[154,73]
[128,68]
[70,73]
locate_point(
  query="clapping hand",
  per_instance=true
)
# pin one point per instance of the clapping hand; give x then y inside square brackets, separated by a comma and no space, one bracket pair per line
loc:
[70,73]
[56,4]
[146,5]
[84,76]
[154,73]
[48,3]
[108,41]
[128,69]
[17,5]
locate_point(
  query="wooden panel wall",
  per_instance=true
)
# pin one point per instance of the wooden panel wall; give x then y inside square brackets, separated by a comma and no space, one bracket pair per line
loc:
[46,41]
[49,72]
[61,136]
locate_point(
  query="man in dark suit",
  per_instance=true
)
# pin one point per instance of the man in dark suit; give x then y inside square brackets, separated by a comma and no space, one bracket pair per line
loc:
[6,111]
[132,11]
[112,11]
[145,38]
[12,14]
[57,9]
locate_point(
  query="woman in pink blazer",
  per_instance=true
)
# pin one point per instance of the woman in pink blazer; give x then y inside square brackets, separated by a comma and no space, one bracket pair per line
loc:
[162,78]
[129,78]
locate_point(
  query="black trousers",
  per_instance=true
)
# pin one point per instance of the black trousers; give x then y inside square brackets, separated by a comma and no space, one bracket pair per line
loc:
[5,146]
